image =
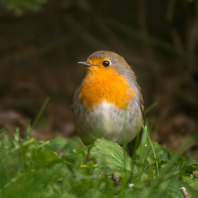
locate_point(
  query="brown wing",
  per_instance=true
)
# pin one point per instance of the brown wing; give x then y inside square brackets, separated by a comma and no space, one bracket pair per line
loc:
[143,119]
[133,145]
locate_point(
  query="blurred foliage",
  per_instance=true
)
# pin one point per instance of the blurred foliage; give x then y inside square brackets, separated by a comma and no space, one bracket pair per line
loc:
[30,168]
[184,3]
[21,6]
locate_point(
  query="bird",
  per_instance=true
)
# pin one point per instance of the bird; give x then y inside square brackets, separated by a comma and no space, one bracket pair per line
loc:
[108,103]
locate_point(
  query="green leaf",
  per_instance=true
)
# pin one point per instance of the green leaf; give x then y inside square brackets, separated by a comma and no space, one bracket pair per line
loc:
[186,164]
[50,156]
[38,157]
[146,155]
[90,165]
[145,151]
[171,188]
[43,157]
[20,6]
[192,180]
[111,156]
[61,144]
[174,189]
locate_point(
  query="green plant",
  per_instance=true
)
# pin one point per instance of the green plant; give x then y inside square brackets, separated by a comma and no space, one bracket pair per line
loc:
[21,6]
[57,168]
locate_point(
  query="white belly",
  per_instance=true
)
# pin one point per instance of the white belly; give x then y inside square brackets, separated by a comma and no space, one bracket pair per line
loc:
[108,122]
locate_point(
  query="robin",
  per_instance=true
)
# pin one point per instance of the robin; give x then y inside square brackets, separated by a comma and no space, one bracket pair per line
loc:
[108,102]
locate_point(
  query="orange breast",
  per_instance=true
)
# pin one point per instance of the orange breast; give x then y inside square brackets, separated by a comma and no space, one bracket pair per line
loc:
[102,84]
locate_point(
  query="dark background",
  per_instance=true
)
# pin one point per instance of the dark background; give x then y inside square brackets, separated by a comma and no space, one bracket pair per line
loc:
[42,41]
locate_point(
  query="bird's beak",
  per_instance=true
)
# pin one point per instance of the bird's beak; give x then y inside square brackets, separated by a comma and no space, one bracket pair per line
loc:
[85,63]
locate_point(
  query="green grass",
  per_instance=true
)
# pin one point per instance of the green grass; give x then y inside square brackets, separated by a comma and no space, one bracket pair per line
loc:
[57,168]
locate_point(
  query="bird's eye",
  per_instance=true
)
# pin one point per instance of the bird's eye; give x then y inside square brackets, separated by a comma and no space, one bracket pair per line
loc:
[106,63]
